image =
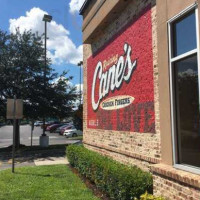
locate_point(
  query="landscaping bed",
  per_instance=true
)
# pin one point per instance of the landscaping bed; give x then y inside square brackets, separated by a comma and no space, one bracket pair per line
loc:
[117,181]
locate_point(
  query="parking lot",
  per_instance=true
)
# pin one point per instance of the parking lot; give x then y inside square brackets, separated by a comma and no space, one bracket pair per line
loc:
[6,135]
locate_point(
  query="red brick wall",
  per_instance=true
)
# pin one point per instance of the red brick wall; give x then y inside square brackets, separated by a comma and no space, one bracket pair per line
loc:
[131,134]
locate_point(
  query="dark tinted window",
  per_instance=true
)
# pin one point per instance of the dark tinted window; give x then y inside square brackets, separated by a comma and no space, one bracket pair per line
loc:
[187,110]
[68,128]
[184,35]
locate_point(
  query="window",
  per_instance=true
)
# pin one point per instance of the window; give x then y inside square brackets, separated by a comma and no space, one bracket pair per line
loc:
[184,81]
[184,34]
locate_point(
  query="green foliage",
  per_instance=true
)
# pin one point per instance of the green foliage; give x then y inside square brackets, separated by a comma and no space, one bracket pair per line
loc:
[147,196]
[78,118]
[22,70]
[120,182]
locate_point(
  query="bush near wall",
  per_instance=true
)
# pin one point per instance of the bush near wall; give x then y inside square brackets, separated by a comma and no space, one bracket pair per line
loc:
[147,196]
[119,181]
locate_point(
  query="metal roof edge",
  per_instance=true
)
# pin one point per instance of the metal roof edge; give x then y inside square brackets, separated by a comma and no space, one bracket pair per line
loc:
[84,6]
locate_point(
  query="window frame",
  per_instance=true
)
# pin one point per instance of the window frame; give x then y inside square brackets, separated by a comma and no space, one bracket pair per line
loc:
[193,7]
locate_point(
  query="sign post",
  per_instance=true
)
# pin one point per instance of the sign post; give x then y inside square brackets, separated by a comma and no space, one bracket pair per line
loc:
[32,128]
[14,133]
[14,111]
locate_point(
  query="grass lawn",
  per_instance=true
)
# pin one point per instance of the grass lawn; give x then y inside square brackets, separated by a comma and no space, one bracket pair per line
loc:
[43,183]
[76,138]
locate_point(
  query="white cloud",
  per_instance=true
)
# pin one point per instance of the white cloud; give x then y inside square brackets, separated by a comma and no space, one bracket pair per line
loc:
[61,48]
[77,102]
[75,5]
[78,87]
[70,84]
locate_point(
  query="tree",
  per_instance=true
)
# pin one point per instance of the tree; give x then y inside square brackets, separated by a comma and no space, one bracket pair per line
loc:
[78,118]
[22,69]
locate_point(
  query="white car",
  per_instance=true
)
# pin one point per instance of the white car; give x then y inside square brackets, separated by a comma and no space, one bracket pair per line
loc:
[72,132]
[38,123]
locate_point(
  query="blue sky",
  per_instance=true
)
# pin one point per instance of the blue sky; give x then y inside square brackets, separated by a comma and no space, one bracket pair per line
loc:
[65,37]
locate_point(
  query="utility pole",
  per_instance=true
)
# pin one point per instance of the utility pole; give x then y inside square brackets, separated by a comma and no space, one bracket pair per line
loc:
[80,64]
[44,139]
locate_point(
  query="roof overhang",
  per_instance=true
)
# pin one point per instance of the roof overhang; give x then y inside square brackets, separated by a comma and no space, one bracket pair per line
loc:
[100,15]
[84,6]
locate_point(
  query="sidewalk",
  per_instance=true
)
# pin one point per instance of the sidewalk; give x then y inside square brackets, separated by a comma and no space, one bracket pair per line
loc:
[35,157]
[51,161]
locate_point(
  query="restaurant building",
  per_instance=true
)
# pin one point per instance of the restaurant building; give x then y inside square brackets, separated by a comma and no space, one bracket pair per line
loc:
[141,88]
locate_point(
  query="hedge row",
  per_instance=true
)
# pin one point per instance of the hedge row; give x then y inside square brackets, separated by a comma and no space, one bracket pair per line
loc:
[118,181]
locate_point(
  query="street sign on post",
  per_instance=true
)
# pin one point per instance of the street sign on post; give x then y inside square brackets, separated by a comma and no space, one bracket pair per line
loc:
[18,111]
[14,111]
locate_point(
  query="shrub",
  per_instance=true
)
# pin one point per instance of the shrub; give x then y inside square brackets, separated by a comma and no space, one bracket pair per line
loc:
[147,196]
[119,181]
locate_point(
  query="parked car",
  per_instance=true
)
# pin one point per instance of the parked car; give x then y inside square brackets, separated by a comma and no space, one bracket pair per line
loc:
[38,123]
[53,127]
[59,129]
[72,132]
[49,124]
[66,128]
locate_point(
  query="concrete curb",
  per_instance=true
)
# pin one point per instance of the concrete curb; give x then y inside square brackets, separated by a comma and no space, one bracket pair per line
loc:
[51,161]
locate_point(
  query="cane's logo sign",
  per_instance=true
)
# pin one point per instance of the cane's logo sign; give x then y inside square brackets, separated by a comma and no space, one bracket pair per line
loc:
[117,102]
[120,82]
[112,79]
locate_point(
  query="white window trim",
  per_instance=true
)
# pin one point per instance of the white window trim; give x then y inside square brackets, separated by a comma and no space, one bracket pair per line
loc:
[194,7]
[189,53]
[182,13]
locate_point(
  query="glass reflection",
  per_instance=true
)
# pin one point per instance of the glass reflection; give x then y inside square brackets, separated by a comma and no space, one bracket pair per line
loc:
[187,111]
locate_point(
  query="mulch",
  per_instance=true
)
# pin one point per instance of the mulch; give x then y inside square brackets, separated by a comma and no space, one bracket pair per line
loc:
[90,185]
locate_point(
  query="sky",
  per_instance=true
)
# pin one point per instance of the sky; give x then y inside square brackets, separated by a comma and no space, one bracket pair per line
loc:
[64,32]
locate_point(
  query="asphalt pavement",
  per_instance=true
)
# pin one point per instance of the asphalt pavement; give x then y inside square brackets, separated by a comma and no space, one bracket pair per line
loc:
[6,135]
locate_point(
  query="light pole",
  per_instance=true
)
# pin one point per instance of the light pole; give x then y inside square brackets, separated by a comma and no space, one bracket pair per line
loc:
[44,139]
[80,64]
